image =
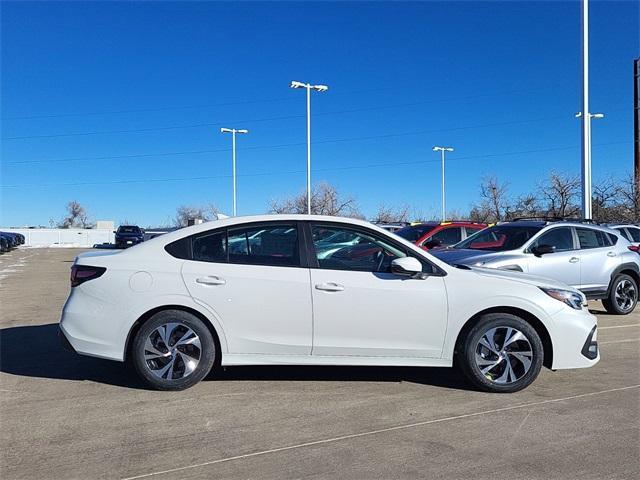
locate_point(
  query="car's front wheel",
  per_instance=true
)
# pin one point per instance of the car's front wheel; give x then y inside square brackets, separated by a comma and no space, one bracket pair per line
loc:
[623,295]
[501,353]
[173,350]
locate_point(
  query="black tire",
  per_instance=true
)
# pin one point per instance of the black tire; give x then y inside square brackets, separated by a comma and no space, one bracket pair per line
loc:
[493,380]
[623,295]
[177,376]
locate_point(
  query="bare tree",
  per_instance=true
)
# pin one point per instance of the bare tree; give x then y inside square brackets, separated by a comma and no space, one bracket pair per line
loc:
[387,214]
[185,213]
[325,200]
[494,204]
[526,205]
[76,217]
[560,194]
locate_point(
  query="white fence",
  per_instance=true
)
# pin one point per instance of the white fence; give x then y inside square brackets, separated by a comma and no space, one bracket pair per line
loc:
[63,237]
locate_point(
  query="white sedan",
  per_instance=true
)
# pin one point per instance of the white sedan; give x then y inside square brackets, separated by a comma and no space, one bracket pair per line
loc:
[185,303]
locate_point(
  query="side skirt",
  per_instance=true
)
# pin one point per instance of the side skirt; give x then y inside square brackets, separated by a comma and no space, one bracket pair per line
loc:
[255,359]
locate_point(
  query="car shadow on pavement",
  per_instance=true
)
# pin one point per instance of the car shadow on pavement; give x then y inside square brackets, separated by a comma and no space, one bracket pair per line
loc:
[36,351]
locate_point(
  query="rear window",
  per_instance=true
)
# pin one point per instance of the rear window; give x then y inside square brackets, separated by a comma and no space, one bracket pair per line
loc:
[635,234]
[129,230]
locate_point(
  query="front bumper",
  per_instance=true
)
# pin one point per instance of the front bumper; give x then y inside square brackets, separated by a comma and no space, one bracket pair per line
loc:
[574,339]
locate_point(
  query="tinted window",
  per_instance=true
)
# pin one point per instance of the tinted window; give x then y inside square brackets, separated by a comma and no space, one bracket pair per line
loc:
[179,248]
[448,236]
[592,238]
[561,238]
[269,245]
[472,230]
[500,238]
[123,229]
[364,252]
[635,234]
[625,233]
[210,247]
[414,232]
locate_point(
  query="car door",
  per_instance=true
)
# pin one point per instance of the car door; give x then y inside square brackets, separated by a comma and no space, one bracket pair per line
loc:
[598,258]
[564,263]
[360,308]
[251,278]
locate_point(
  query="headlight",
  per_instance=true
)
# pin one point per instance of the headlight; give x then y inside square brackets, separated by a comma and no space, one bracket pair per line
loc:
[573,299]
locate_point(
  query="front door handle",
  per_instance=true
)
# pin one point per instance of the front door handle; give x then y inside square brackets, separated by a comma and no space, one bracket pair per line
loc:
[211,280]
[329,287]
[574,260]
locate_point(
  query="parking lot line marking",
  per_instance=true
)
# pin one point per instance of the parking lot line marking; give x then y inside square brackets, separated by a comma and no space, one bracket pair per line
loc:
[620,326]
[381,430]
[620,341]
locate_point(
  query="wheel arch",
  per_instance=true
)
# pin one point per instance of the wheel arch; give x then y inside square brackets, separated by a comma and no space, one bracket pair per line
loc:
[630,269]
[530,318]
[150,313]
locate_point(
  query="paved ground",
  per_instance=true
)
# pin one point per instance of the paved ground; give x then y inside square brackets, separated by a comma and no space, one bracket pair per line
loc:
[65,416]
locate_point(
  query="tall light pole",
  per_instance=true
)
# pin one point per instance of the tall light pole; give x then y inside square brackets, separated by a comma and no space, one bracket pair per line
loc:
[233,132]
[317,88]
[442,150]
[586,118]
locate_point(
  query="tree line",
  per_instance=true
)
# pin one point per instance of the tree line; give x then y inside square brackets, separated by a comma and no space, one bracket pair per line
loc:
[558,196]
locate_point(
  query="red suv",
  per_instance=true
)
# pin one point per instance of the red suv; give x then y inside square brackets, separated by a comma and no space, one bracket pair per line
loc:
[439,234]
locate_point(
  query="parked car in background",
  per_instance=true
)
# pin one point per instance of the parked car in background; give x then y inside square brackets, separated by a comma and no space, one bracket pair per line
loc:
[630,232]
[428,235]
[11,240]
[597,260]
[4,244]
[392,227]
[128,236]
[257,291]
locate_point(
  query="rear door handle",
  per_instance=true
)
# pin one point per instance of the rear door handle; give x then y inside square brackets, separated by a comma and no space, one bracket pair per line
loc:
[211,280]
[611,254]
[329,287]
[574,260]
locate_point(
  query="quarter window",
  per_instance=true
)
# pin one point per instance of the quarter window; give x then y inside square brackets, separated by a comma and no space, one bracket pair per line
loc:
[339,248]
[267,245]
[625,233]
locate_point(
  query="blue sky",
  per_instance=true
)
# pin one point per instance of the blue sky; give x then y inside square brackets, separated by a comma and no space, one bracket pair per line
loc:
[119,105]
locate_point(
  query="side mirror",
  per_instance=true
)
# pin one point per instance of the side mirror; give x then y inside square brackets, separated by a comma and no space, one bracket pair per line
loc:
[115,231]
[540,250]
[406,267]
[431,244]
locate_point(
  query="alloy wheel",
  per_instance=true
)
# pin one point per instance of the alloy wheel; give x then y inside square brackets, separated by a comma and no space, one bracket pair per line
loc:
[503,355]
[625,295]
[172,351]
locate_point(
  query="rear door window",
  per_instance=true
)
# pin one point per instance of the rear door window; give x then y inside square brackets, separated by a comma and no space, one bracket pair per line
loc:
[589,238]
[210,247]
[275,245]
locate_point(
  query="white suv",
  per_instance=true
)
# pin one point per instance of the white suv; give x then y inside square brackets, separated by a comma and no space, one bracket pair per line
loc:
[595,259]
[255,291]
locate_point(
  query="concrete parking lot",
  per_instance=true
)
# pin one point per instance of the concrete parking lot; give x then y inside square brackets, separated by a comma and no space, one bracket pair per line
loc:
[66,416]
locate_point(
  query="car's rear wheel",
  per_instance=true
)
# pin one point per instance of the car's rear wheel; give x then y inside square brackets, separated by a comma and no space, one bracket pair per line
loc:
[501,353]
[173,350]
[623,295]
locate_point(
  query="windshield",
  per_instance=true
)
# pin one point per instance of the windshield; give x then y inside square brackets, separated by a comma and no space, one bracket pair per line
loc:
[414,232]
[129,230]
[499,238]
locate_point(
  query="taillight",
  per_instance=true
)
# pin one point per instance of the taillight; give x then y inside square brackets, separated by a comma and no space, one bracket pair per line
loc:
[634,248]
[84,273]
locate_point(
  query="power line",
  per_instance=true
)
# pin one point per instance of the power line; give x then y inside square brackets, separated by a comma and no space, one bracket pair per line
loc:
[285,145]
[272,173]
[202,125]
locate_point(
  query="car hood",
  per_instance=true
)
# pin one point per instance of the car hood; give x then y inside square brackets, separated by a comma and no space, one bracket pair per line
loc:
[520,277]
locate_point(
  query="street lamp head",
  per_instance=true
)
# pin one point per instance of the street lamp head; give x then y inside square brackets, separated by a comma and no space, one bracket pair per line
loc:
[226,130]
[448,149]
[295,84]
[320,88]
[242,131]
[597,115]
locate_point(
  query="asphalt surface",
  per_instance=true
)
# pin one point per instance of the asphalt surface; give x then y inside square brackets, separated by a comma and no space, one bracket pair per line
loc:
[65,416]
